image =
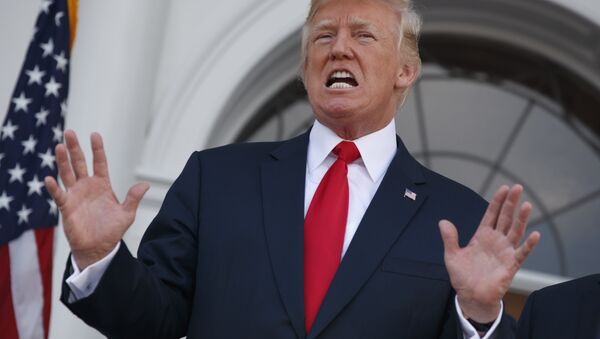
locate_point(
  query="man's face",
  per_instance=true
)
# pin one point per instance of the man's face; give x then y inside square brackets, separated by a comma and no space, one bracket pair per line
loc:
[353,72]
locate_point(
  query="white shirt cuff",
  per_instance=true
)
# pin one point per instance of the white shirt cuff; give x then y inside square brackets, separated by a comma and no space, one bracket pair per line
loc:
[83,284]
[469,332]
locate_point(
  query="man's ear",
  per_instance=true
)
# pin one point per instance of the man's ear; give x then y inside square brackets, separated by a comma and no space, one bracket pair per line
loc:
[407,75]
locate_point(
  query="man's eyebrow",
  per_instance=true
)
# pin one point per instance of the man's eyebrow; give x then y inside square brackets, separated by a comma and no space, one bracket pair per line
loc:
[356,22]
[324,25]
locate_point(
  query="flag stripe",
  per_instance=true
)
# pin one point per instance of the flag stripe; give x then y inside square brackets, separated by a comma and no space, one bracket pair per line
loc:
[44,238]
[8,323]
[27,291]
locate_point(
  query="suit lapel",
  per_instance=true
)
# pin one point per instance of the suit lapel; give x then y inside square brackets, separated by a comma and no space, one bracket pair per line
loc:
[589,313]
[385,219]
[283,179]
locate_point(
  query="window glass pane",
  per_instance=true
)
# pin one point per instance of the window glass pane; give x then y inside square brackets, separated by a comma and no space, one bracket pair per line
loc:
[475,118]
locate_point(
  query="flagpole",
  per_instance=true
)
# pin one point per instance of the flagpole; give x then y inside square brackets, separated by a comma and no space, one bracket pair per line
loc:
[72,6]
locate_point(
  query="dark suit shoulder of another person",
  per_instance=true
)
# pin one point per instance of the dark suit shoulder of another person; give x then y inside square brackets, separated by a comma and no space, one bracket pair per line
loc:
[566,310]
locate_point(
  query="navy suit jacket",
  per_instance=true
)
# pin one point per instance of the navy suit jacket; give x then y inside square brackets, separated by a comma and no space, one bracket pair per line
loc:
[568,310]
[224,256]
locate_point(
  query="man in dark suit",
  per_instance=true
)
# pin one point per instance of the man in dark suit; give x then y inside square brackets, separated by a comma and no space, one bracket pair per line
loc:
[332,234]
[567,310]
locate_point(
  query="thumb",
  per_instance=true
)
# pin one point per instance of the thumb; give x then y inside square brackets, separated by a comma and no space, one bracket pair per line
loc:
[134,196]
[449,237]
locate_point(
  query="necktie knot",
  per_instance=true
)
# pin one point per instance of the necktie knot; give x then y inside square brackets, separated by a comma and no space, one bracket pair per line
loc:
[346,151]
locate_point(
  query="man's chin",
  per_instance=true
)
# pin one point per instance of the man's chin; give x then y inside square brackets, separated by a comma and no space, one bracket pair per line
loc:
[339,110]
[340,105]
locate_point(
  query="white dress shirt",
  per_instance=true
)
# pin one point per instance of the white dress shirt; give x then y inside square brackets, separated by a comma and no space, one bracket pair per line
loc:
[364,176]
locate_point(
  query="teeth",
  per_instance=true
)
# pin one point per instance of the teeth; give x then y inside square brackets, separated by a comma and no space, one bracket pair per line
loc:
[341,74]
[339,80]
[340,85]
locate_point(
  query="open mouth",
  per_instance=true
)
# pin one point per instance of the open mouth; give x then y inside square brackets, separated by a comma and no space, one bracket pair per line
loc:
[341,80]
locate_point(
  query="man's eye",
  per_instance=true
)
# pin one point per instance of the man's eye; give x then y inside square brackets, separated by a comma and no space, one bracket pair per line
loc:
[323,37]
[365,36]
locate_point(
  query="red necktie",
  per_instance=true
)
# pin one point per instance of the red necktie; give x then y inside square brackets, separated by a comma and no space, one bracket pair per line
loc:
[324,229]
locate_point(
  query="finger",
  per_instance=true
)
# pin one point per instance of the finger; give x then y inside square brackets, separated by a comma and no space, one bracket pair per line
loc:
[491,214]
[523,252]
[55,191]
[507,213]
[449,237]
[76,155]
[134,196]
[100,163]
[516,232]
[64,167]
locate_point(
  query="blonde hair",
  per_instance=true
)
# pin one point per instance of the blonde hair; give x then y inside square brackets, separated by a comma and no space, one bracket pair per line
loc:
[408,29]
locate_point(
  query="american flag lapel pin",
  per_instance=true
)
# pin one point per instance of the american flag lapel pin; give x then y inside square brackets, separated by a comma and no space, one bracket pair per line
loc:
[410,194]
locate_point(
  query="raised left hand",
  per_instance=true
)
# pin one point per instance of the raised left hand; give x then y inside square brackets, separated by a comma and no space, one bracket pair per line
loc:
[482,272]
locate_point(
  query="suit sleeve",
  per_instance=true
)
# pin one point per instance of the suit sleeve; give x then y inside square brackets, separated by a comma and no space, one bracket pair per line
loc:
[452,328]
[151,297]
[505,330]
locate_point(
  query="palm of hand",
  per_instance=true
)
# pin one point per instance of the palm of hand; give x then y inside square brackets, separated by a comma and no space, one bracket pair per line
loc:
[484,269]
[94,220]
[91,212]
[482,272]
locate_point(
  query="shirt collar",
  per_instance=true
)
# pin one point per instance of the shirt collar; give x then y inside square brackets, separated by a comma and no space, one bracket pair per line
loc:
[376,149]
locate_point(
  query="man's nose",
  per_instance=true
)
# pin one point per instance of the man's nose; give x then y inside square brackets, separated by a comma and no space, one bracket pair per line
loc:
[341,48]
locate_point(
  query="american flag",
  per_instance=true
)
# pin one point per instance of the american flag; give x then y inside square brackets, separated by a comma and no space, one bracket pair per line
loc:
[410,194]
[32,128]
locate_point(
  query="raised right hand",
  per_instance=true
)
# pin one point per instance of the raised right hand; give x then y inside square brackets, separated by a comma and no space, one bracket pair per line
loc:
[94,220]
